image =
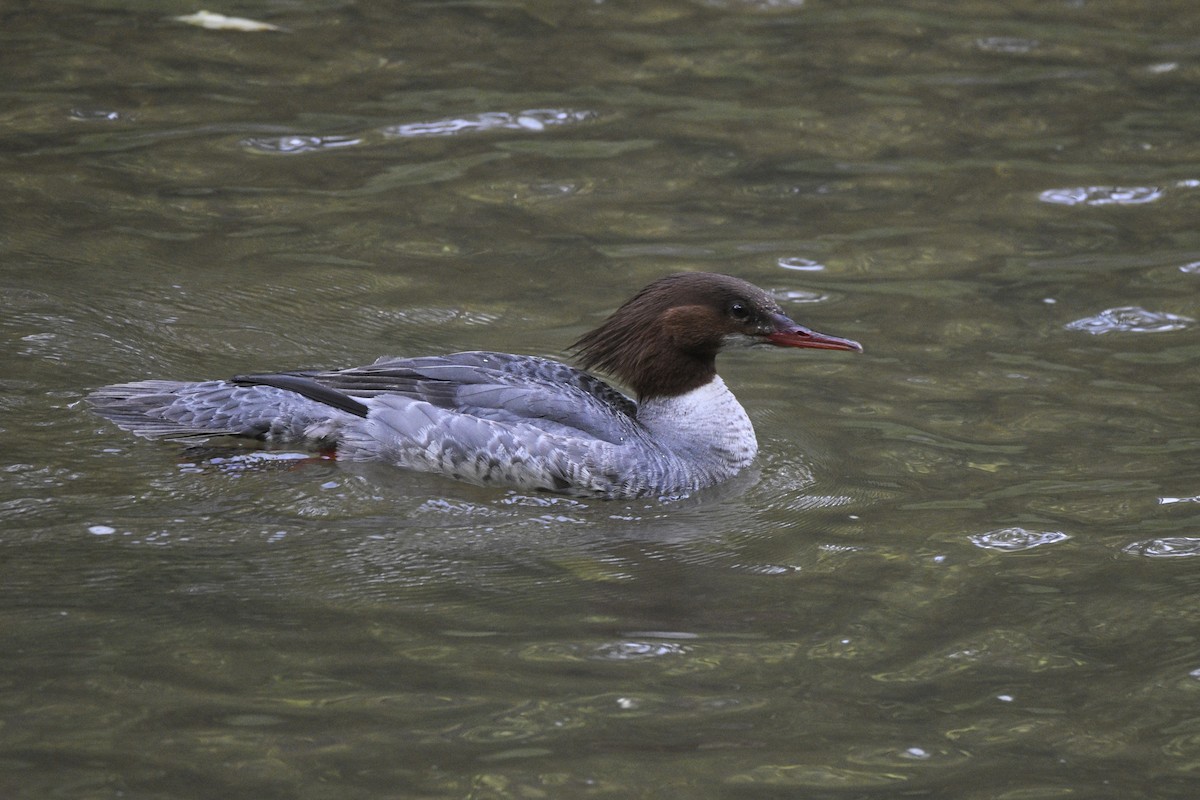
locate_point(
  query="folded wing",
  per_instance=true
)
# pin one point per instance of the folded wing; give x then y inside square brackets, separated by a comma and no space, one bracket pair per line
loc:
[491,386]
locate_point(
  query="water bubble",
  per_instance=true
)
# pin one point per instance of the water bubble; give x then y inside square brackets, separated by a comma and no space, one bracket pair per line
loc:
[1013,539]
[1130,319]
[1192,269]
[1102,195]
[101,530]
[1166,547]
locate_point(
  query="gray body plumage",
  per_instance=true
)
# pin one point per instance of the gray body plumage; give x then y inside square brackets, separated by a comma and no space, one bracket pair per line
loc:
[486,418]
[519,421]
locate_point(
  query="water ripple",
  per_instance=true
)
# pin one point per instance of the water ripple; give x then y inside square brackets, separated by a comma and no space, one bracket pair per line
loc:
[95,114]
[1166,547]
[1113,195]
[798,296]
[1102,195]
[814,776]
[1166,501]
[636,651]
[801,264]
[1006,44]
[536,119]
[1130,319]
[298,144]
[531,120]
[1010,540]
[624,650]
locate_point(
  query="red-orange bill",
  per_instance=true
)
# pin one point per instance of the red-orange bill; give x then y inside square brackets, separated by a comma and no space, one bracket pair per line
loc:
[789,334]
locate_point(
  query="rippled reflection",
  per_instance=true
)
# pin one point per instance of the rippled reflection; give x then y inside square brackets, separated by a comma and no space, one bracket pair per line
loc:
[815,776]
[536,119]
[636,651]
[1006,44]
[221,22]
[886,602]
[1130,319]
[1102,195]
[1166,501]
[798,296]
[91,114]
[1166,547]
[533,120]
[1014,539]
[299,144]
[801,264]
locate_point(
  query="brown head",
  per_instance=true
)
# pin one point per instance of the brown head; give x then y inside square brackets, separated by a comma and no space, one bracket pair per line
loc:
[664,340]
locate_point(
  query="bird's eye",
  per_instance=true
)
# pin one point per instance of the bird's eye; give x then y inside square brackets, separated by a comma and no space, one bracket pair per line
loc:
[739,310]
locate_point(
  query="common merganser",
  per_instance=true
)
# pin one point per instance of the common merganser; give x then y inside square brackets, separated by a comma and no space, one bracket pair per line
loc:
[512,420]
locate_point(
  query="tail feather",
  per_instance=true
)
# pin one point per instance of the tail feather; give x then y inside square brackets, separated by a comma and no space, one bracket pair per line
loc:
[157,409]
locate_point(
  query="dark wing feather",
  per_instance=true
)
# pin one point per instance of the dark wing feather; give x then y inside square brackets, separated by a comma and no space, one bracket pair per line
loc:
[496,386]
[305,386]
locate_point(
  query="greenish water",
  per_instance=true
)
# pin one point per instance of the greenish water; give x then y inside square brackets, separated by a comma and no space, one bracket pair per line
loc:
[967,564]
